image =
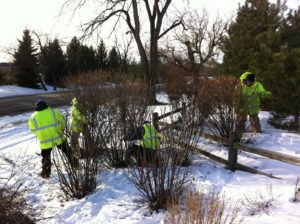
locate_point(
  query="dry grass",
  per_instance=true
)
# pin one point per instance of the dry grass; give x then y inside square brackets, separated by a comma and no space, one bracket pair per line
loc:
[202,208]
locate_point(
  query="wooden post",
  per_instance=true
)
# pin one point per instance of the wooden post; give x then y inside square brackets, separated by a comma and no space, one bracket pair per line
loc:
[155,121]
[183,111]
[232,153]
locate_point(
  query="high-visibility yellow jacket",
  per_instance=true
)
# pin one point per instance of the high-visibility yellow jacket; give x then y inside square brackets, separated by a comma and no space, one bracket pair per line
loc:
[151,139]
[48,125]
[77,119]
[253,94]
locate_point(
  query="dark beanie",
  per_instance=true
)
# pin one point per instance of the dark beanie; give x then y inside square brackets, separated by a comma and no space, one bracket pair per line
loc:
[251,77]
[40,105]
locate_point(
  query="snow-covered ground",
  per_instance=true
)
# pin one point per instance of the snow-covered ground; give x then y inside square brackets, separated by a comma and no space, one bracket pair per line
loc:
[116,200]
[11,90]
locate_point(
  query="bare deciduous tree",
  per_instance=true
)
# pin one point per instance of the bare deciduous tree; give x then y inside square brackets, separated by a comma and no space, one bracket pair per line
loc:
[197,43]
[131,12]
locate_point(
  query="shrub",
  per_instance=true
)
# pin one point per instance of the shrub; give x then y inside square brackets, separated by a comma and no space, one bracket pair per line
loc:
[218,96]
[282,121]
[202,208]
[130,105]
[259,202]
[13,207]
[96,132]
[166,178]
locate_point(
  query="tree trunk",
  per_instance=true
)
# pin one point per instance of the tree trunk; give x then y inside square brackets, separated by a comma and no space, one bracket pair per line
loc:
[296,122]
[153,71]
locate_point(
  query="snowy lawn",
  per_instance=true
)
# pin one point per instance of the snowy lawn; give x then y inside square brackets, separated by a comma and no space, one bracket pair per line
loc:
[116,200]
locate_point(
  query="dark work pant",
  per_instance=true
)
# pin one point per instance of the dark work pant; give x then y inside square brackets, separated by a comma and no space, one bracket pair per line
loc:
[46,158]
[255,123]
[141,156]
[46,162]
[240,124]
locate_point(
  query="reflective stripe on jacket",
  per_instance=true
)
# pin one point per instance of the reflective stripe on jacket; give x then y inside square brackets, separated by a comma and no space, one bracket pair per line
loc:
[151,138]
[48,126]
[253,95]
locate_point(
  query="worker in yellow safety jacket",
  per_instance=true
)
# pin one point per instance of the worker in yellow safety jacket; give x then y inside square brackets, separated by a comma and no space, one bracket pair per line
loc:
[147,141]
[78,122]
[48,125]
[251,93]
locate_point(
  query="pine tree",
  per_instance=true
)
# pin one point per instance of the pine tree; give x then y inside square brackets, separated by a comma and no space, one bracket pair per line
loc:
[25,64]
[73,56]
[87,59]
[101,56]
[53,64]
[114,60]
[286,70]
[256,23]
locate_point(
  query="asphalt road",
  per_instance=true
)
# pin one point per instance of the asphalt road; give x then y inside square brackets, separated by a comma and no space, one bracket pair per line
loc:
[25,103]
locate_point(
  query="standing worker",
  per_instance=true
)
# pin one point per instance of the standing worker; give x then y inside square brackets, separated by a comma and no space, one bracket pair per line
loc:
[80,134]
[78,121]
[251,94]
[48,125]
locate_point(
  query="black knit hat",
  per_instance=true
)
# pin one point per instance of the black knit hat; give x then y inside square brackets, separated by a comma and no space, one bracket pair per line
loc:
[250,77]
[40,105]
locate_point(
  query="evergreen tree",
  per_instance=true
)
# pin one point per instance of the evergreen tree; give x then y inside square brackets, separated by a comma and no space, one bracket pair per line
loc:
[25,64]
[53,64]
[286,70]
[114,60]
[87,58]
[73,56]
[254,28]
[101,56]
[291,29]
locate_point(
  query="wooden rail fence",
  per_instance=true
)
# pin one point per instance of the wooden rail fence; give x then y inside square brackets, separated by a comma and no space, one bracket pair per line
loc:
[233,147]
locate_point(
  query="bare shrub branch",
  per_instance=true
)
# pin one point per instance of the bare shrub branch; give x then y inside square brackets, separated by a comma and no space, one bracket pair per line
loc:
[259,203]
[13,206]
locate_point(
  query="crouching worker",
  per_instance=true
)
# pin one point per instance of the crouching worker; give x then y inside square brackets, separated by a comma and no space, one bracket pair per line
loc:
[48,125]
[144,146]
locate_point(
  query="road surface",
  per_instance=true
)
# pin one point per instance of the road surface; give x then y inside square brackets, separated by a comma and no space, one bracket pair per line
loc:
[25,103]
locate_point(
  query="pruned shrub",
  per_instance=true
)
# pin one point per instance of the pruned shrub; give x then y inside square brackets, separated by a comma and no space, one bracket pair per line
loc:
[218,96]
[87,145]
[202,207]
[165,178]
[130,105]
